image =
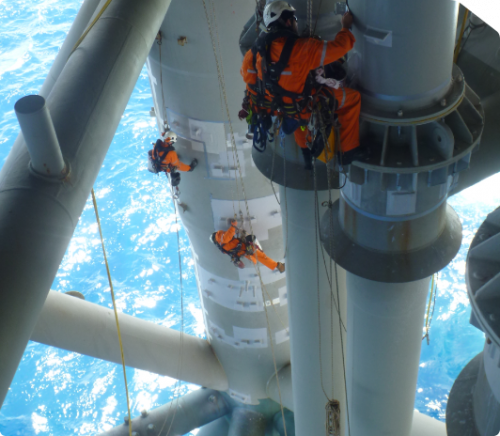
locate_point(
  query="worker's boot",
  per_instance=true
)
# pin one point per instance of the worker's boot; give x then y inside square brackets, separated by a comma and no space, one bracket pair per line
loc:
[281,267]
[307,158]
[193,164]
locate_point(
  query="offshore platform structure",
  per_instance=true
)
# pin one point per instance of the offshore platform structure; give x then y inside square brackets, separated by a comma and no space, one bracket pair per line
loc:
[338,341]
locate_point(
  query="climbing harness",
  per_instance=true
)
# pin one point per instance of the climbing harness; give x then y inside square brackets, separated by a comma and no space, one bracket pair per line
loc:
[114,308]
[265,98]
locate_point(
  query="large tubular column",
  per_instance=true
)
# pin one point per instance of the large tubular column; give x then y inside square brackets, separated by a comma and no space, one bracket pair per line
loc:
[391,228]
[384,320]
[315,365]
[37,218]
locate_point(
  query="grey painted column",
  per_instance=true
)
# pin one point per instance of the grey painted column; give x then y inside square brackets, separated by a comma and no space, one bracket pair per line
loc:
[37,218]
[384,334]
[178,417]
[246,422]
[305,327]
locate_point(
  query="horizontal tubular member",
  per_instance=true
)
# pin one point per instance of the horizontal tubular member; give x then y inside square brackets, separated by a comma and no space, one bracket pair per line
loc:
[76,325]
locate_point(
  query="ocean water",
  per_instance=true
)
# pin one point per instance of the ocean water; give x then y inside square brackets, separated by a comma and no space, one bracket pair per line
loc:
[57,392]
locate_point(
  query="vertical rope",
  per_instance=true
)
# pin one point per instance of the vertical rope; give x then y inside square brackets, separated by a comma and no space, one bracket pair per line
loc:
[115,310]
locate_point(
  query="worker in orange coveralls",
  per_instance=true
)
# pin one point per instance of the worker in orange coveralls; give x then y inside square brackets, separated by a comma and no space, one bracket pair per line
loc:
[307,54]
[237,248]
[163,158]
[166,159]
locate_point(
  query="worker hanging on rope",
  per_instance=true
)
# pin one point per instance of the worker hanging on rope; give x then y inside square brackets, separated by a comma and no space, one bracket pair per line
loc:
[246,246]
[280,77]
[163,158]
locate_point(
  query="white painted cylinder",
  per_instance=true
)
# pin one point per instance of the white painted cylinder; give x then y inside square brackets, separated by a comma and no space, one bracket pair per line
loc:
[384,339]
[40,136]
[306,329]
[76,325]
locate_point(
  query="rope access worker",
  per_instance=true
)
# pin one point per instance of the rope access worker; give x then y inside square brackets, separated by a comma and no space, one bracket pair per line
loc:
[247,247]
[163,158]
[287,60]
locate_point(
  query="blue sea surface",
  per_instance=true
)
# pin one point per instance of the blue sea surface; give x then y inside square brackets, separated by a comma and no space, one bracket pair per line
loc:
[57,392]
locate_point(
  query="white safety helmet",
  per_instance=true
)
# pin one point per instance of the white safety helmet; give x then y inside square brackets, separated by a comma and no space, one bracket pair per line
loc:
[212,238]
[273,11]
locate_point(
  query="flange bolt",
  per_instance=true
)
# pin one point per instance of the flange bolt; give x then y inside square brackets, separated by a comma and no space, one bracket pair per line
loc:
[126,420]
[212,399]
[151,427]
[144,413]
[493,317]
[400,113]
[459,79]
[443,102]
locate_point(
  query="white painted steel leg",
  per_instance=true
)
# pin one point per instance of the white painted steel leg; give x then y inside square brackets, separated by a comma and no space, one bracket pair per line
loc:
[76,325]
[384,339]
[40,136]
[302,282]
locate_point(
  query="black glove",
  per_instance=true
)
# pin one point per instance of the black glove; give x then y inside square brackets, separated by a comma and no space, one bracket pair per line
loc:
[193,164]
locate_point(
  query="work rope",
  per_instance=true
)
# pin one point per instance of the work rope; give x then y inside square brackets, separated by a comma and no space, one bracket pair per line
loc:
[178,383]
[462,30]
[115,310]
[224,102]
[429,314]
[90,27]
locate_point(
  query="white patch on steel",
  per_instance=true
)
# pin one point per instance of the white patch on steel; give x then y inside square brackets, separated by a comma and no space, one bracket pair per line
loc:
[244,296]
[250,338]
[282,336]
[241,141]
[212,134]
[265,214]
[401,203]
[227,166]
[197,146]
[283,296]
[242,398]
[243,338]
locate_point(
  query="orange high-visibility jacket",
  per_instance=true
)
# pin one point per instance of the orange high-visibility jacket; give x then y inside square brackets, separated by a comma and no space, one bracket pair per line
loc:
[226,239]
[169,159]
[307,54]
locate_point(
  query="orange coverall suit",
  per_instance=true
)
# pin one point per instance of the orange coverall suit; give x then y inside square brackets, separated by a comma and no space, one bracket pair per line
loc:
[309,54]
[170,159]
[228,242]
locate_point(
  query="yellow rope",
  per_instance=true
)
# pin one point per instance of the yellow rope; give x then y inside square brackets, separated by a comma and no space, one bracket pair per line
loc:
[114,308]
[462,30]
[90,27]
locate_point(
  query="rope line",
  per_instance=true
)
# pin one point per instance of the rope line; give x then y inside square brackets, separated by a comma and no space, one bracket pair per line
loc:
[90,27]
[432,302]
[178,383]
[462,30]
[114,309]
